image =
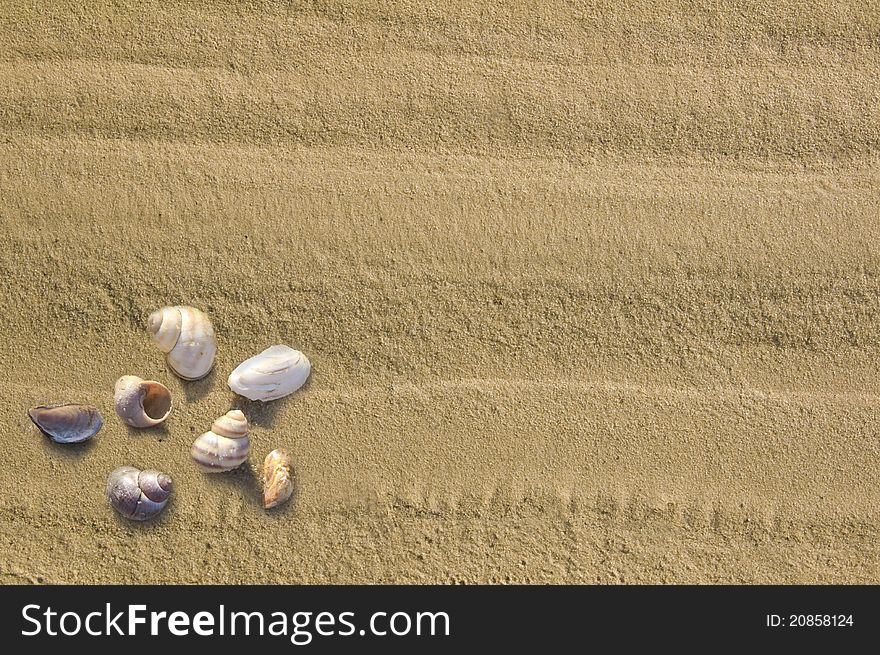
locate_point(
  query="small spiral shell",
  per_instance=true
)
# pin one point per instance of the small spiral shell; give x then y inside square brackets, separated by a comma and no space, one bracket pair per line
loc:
[277,482]
[226,446]
[141,403]
[186,335]
[138,495]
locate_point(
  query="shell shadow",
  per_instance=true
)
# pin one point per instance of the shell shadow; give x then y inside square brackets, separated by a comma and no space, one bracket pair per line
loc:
[196,390]
[263,414]
[160,432]
[243,478]
[259,413]
[71,451]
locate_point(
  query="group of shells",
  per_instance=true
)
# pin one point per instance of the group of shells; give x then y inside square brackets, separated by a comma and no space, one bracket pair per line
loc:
[186,336]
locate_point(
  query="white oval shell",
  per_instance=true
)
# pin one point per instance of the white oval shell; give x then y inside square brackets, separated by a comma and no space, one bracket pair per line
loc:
[274,373]
[225,447]
[187,336]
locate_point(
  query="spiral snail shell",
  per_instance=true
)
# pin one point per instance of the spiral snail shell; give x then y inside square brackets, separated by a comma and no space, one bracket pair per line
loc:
[186,335]
[274,373]
[225,446]
[141,403]
[138,495]
[277,483]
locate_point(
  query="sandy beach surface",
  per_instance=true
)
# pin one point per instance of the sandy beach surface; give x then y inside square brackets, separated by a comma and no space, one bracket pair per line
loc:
[591,290]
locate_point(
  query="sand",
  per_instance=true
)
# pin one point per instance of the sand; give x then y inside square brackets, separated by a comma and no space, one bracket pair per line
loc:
[591,290]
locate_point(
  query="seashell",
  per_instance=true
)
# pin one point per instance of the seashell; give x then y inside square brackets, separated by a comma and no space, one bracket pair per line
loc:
[141,403]
[274,373]
[138,495]
[67,422]
[186,335]
[277,485]
[226,446]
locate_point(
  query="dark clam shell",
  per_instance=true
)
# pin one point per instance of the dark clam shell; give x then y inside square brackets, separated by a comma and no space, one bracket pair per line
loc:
[67,422]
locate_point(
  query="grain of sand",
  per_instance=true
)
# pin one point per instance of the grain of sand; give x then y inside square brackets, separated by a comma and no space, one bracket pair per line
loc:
[591,289]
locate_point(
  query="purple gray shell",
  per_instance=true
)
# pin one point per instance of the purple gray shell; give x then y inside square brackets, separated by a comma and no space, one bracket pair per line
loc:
[138,495]
[67,422]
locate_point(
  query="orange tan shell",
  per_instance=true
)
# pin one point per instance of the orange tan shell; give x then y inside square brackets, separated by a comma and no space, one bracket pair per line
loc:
[277,482]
